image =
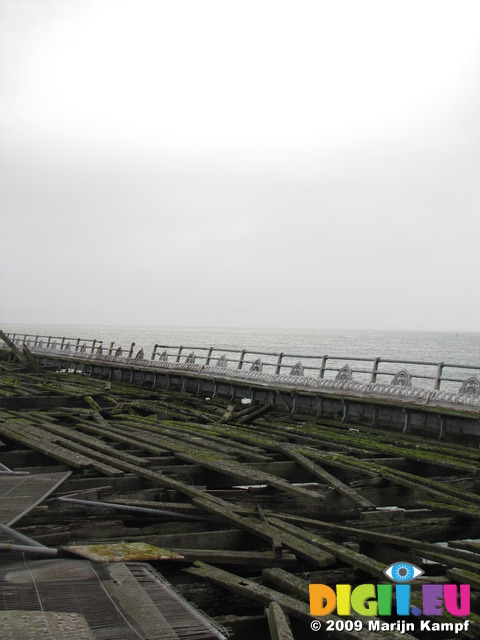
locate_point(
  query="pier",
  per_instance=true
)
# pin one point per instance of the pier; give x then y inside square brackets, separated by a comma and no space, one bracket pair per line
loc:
[212,496]
[434,399]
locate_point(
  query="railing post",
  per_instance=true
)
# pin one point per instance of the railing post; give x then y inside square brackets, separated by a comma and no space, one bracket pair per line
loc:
[322,366]
[62,343]
[36,340]
[242,358]
[180,349]
[279,363]
[110,351]
[93,345]
[375,370]
[209,356]
[154,352]
[130,353]
[77,345]
[438,377]
[48,341]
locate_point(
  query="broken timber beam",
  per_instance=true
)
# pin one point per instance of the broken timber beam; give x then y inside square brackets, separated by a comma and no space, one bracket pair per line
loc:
[251,589]
[448,556]
[266,531]
[327,477]
[354,559]
[278,623]
[25,357]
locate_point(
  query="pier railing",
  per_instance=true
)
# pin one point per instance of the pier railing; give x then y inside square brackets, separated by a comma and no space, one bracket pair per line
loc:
[434,375]
[418,380]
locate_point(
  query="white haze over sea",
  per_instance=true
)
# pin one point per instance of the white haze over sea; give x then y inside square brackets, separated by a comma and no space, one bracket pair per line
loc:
[432,346]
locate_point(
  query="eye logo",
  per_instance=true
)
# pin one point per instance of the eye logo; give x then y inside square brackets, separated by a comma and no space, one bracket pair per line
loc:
[402,572]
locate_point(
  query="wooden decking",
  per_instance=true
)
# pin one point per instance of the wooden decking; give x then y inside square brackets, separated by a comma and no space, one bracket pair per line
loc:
[248,503]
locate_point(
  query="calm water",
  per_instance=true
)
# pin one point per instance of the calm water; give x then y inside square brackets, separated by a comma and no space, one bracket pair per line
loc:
[454,348]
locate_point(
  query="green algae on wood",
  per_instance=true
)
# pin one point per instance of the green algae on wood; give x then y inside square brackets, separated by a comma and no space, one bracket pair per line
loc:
[123,552]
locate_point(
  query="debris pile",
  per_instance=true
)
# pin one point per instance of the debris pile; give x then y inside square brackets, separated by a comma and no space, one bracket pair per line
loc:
[230,511]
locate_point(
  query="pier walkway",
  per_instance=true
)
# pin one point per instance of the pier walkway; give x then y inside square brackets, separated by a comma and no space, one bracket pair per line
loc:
[430,398]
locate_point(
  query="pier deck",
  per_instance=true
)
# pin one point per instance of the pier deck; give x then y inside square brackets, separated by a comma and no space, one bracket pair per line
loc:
[236,505]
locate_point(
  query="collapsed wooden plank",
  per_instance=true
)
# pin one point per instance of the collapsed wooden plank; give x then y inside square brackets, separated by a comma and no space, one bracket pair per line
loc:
[257,559]
[368,440]
[451,557]
[25,357]
[274,535]
[287,581]
[350,557]
[198,435]
[402,478]
[251,589]
[116,434]
[247,475]
[461,510]
[144,432]
[327,477]
[72,437]
[278,623]
[466,577]
[34,438]
[123,552]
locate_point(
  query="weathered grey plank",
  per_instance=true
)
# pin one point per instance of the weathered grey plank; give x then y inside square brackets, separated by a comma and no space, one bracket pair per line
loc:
[327,477]
[278,623]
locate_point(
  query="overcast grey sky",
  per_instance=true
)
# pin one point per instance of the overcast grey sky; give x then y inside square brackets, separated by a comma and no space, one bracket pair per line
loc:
[241,163]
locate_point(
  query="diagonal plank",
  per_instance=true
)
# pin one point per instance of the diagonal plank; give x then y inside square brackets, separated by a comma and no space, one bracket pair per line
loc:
[324,475]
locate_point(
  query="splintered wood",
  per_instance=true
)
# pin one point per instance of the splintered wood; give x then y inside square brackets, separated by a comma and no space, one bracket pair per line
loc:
[241,508]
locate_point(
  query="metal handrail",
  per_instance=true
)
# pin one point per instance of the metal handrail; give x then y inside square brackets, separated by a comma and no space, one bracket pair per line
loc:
[276,363]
